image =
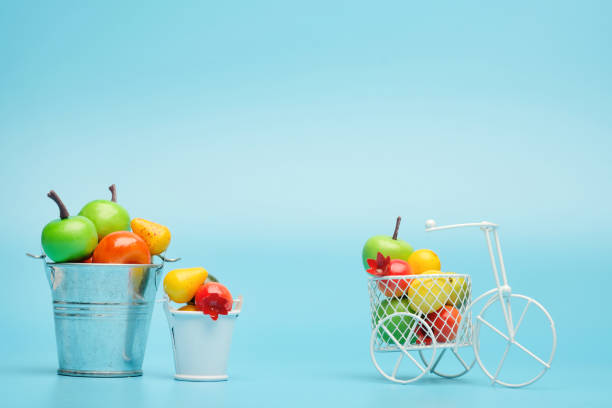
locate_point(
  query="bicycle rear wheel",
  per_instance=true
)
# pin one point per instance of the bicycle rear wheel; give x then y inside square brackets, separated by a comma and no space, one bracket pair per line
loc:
[392,337]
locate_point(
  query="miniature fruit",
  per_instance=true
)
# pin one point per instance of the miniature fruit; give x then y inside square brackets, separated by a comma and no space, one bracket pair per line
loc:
[68,238]
[155,235]
[214,299]
[460,293]
[188,308]
[429,294]
[107,216]
[423,260]
[399,326]
[396,287]
[388,246]
[379,266]
[122,247]
[210,278]
[444,324]
[181,285]
[387,267]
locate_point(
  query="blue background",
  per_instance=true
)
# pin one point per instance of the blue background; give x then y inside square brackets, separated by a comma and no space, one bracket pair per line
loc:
[274,138]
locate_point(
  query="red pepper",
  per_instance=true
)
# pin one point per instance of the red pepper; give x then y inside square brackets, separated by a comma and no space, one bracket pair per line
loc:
[214,299]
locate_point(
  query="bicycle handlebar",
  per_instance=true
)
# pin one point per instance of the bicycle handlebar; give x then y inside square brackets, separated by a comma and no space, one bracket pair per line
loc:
[430,225]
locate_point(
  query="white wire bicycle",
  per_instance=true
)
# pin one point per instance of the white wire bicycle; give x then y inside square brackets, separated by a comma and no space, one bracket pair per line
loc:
[405,323]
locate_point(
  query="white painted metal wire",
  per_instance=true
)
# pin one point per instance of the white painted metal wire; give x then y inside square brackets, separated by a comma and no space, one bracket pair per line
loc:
[442,301]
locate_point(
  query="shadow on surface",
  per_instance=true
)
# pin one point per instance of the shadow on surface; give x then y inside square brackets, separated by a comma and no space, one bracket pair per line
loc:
[375,378]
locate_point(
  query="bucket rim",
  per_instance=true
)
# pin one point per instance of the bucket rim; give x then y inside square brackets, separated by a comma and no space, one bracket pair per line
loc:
[235,312]
[163,258]
[103,264]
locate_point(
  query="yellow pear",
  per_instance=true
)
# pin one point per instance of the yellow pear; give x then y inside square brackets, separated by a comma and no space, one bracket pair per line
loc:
[181,284]
[155,235]
[429,294]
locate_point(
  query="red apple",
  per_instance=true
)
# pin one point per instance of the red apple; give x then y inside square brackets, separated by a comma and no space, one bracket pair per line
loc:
[396,287]
[444,324]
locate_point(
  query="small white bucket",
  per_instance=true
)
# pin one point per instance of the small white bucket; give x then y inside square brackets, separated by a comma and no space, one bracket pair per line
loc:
[201,345]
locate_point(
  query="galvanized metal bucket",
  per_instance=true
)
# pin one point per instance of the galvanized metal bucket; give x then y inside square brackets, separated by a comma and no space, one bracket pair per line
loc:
[102,314]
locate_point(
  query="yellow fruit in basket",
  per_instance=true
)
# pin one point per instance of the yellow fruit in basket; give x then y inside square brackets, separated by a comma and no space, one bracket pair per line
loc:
[181,284]
[155,235]
[460,291]
[189,308]
[428,294]
[423,260]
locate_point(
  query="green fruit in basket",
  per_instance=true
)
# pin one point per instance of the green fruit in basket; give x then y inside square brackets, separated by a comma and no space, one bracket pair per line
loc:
[68,238]
[427,295]
[398,326]
[388,246]
[460,291]
[108,216]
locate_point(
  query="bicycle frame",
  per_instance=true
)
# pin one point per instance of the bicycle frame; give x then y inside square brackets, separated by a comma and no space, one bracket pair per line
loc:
[502,288]
[502,292]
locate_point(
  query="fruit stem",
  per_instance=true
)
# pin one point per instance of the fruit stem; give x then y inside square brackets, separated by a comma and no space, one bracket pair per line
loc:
[397,223]
[63,210]
[113,190]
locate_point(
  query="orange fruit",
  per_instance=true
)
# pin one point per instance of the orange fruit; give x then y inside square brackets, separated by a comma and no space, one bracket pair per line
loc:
[423,260]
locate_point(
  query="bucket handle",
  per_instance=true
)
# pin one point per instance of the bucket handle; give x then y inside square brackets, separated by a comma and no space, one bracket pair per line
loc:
[42,256]
[50,270]
[166,259]
[161,267]
[237,305]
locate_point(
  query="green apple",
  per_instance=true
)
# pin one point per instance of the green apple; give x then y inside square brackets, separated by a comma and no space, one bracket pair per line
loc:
[399,326]
[460,291]
[68,238]
[107,216]
[388,246]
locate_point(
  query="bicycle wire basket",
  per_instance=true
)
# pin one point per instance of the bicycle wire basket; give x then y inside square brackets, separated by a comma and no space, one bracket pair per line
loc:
[416,311]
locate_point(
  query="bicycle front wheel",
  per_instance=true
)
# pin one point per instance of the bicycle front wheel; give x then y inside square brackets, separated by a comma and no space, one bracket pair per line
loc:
[518,351]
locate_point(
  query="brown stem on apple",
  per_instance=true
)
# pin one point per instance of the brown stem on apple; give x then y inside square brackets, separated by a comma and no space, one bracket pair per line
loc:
[113,190]
[63,210]
[397,223]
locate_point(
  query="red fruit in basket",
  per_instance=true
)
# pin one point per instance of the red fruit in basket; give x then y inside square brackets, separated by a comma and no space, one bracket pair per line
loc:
[387,267]
[444,324]
[214,299]
[122,247]
[379,266]
[396,287]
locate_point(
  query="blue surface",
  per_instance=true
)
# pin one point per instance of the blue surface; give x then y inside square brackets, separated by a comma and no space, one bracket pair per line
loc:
[273,139]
